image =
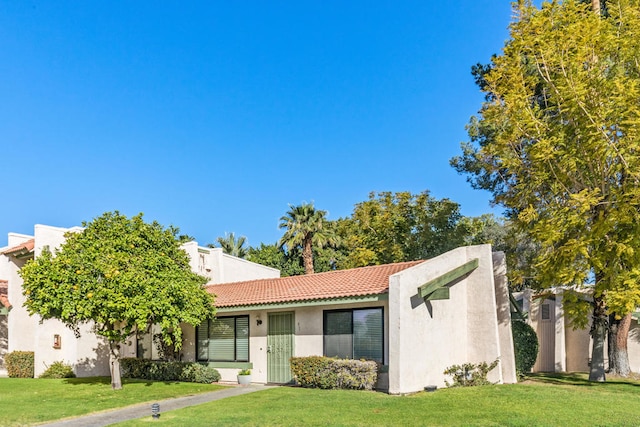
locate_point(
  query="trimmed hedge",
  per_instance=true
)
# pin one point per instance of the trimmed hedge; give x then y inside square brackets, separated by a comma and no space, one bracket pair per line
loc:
[58,370]
[197,373]
[330,373]
[525,346]
[20,364]
[168,371]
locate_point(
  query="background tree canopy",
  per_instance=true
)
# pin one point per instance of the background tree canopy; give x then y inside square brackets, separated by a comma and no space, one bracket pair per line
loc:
[395,227]
[386,228]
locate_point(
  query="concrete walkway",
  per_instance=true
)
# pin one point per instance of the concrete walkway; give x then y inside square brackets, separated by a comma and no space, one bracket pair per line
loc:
[113,416]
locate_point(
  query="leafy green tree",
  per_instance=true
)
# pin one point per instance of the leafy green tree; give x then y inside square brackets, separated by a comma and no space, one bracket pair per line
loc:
[557,144]
[503,236]
[123,275]
[394,227]
[485,228]
[232,246]
[305,228]
[275,256]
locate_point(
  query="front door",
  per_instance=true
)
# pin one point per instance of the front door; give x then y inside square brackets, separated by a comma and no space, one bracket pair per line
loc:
[280,347]
[546,330]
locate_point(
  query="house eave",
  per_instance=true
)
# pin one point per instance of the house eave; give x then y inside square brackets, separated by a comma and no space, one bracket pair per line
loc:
[305,303]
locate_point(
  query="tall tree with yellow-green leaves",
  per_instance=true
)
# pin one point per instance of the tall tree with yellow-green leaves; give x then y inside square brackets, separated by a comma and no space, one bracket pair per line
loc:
[120,275]
[558,143]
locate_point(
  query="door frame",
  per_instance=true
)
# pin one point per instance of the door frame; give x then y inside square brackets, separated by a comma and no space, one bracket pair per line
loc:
[271,354]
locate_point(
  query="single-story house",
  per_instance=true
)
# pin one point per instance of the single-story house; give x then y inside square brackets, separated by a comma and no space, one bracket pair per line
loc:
[414,318]
[561,347]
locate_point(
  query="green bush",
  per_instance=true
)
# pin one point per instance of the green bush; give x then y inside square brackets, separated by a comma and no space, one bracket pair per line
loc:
[312,371]
[355,374]
[58,370]
[131,367]
[330,373]
[167,371]
[197,373]
[19,364]
[525,346]
[470,374]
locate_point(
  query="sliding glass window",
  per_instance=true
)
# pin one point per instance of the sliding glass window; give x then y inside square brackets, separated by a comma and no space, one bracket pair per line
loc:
[224,339]
[354,334]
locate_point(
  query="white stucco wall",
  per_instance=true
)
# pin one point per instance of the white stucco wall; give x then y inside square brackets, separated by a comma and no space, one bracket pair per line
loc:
[88,354]
[427,337]
[633,346]
[20,326]
[503,307]
[219,267]
[231,269]
[308,338]
[577,348]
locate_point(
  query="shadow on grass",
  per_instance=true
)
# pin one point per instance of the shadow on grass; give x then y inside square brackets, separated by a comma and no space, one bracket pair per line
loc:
[578,379]
[107,381]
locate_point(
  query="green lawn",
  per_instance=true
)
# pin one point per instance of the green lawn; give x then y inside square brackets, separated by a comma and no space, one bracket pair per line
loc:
[30,401]
[545,401]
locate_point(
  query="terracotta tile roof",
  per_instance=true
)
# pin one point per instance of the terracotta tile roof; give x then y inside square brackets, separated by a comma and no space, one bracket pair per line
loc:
[22,248]
[362,281]
[4,300]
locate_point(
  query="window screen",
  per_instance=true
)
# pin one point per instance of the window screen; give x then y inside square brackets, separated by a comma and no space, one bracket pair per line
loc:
[224,339]
[546,313]
[354,334]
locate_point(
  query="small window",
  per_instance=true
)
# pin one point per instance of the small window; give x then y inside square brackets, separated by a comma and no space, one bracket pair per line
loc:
[224,339]
[144,348]
[354,334]
[545,312]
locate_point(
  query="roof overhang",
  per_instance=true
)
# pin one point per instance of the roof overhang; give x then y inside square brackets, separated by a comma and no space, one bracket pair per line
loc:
[305,303]
[21,251]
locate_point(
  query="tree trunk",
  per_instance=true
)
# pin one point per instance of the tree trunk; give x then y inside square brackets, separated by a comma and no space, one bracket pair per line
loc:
[307,256]
[595,5]
[618,353]
[598,332]
[114,365]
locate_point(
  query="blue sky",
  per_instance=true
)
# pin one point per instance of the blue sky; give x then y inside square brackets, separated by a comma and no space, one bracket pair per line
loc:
[214,116]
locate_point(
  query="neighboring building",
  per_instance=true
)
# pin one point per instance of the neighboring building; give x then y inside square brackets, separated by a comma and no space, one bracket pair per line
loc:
[415,318]
[561,347]
[51,340]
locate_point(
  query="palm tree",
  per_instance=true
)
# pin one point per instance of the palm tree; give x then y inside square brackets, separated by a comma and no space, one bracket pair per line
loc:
[231,246]
[306,227]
